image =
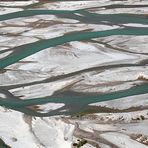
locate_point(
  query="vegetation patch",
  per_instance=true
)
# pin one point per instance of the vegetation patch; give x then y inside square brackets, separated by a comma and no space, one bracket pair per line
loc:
[3,144]
[80,143]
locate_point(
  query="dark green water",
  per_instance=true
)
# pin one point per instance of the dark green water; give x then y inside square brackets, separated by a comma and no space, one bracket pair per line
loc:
[41,45]
[73,103]
[80,102]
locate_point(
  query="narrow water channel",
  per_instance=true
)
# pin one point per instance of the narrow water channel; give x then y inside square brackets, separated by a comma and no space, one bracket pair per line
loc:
[73,102]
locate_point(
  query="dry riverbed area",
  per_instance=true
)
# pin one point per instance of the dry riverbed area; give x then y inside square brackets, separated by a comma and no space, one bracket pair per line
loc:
[74,74]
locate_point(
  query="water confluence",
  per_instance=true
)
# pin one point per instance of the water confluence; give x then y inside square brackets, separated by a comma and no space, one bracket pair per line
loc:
[80,102]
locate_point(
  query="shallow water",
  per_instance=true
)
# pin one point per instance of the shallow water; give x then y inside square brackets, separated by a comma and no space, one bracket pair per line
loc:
[73,102]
